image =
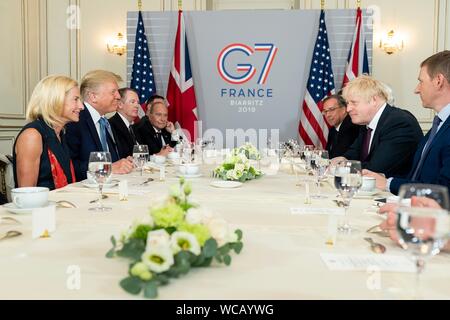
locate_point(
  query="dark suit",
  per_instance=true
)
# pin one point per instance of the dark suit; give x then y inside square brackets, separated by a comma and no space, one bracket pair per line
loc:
[124,140]
[339,141]
[436,165]
[82,139]
[393,144]
[146,134]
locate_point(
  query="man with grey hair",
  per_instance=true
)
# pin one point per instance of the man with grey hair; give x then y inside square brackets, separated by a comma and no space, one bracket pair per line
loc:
[100,94]
[389,139]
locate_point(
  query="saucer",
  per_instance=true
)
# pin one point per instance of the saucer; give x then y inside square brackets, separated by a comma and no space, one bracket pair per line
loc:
[179,175]
[89,184]
[366,194]
[225,184]
[11,207]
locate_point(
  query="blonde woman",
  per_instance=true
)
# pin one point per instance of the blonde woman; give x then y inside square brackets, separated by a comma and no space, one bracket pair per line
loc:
[40,154]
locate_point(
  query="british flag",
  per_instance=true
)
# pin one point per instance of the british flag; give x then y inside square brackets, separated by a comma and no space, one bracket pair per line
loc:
[313,128]
[142,79]
[180,90]
[357,61]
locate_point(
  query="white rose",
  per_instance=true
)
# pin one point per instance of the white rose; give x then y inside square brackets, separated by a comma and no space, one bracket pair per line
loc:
[219,230]
[158,238]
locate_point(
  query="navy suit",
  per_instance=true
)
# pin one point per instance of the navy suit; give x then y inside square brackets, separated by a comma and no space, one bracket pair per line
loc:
[436,165]
[393,144]
[339,141]
[82,139]
[145,134]
[124,140]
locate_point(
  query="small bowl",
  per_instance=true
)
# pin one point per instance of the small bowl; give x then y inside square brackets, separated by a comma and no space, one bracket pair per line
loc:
[189,169]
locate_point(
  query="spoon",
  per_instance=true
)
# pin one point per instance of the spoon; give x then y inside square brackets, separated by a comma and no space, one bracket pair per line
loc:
[65,204]
[376,247]
[104,196]
[147,181]
[11,234]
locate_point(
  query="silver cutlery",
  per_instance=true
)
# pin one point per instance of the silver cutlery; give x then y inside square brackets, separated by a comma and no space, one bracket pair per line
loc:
[9,219]
[378,231]
[375,246]
[104,196]
[65,204]
[10,234]
[146,181]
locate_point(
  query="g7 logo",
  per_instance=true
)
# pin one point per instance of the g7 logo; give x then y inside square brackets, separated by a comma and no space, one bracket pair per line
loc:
[248,69]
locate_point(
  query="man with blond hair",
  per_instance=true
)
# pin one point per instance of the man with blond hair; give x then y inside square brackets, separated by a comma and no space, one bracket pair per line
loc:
[432,158]
[390,135]
[100,93]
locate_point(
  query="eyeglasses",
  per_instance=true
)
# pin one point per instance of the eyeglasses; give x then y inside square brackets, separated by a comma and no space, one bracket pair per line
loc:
[324,112]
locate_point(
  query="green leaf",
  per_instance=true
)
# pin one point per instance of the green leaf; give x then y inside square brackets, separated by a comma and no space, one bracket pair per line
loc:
[210,248]
[238,247]
[239,234]
[219,258]
[132,249]
[227,259]
[150,290]
[110,253]
[113,241]
[131,285]
[207,262]
[161,279]
[224,249]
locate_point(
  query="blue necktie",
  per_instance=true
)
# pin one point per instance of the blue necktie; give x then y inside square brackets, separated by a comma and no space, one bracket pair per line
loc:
[433,132]
[103,127]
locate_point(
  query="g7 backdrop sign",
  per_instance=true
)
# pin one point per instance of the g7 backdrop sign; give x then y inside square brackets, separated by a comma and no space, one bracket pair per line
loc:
[235,67]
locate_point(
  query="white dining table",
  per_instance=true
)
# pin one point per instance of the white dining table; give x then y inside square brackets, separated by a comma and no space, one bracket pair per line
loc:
[281,258]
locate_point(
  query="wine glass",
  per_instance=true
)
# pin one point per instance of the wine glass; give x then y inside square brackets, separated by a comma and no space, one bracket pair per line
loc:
[100,169]
[140,156]
[319,164]
[306,155]
[423,230]
[348,180]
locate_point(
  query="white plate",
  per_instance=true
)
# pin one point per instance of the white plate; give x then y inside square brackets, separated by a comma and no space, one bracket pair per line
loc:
[89,184]
[366,194]
[189,175]
[11,207]
[226,184]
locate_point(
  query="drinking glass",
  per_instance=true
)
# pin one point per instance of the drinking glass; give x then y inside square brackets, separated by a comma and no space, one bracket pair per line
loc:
[319,164]
[423,231]
[140,156]
[348,180]
[100,169]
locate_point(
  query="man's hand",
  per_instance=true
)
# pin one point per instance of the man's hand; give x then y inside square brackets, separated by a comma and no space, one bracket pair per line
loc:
[123,166]
[165,150]
[380,179]
[170,127]
[336,160]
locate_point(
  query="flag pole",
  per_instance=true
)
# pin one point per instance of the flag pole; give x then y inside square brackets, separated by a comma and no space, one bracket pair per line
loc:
[358,4]
[322,4]
[180,5]
[140,5]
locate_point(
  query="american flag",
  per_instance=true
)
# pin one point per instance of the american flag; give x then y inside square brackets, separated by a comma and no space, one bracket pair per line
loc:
[357,61]
[313,128]
[142,79]
[180,90]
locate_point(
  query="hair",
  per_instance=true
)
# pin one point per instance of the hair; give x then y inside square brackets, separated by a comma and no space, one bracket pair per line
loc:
[47,99]
[123,92]
[153,98]
[93,79]
[153,104]
[366,87]
[340,100]
[438,63]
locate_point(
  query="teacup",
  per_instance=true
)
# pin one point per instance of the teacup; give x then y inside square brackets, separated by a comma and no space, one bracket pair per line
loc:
[189,169]
[30,197]
[368,184]
[158,159]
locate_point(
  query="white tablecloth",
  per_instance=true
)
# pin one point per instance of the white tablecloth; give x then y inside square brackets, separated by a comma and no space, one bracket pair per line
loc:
[280,259]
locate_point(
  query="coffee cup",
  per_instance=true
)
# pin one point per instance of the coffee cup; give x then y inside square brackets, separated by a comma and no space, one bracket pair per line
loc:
[368,184]
[158,159]
[30,197]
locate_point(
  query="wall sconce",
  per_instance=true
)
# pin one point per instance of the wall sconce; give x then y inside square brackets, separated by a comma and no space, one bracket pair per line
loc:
[392,43]
[117,45]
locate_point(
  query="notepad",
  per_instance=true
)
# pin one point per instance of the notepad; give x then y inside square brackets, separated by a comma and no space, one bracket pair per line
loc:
[364,262]
[310,211]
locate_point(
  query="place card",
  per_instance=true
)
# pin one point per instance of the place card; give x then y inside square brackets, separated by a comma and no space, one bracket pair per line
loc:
[316,211]
[43,222]
[362,262]
[162,173]
[123,190]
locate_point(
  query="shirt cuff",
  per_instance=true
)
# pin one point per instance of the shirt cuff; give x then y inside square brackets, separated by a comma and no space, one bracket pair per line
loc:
[388,184]
[175,135]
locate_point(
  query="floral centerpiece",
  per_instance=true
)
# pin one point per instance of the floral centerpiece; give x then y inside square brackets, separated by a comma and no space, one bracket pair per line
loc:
[175,237]
[237,166]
